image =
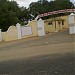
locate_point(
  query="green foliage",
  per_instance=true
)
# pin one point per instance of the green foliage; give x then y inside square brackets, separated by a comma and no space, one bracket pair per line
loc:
[8,14]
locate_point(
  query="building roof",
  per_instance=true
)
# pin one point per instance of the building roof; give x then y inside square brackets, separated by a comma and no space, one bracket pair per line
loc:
[54,19]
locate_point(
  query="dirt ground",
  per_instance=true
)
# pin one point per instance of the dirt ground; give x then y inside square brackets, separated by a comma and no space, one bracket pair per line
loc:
[60,42]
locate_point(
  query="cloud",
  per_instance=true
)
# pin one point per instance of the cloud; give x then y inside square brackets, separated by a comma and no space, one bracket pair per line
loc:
[25,2]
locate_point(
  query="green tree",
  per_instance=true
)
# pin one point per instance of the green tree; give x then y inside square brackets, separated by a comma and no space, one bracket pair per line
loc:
[8,14]
[63,4]
[24,15]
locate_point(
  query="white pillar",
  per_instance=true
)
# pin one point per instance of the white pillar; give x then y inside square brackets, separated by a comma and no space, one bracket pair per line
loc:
[0,36]
[19,30]
[71,23]
[40,25]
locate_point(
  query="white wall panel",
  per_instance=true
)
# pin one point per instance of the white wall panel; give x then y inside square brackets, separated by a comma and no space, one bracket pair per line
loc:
[26,31]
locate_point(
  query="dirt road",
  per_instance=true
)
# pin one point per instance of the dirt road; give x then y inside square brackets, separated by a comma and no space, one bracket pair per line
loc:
[59,42]
[18,53]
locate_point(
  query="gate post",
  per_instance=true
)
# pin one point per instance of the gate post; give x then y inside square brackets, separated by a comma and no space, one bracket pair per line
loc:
[40,25]
[0,36]
[19,30]
[71,23]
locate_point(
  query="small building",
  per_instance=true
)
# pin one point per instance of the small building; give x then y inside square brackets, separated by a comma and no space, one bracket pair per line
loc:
[56,24]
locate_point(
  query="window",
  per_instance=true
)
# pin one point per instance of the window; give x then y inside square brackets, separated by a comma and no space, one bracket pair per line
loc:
[50,23]
[62,22]
[59,22]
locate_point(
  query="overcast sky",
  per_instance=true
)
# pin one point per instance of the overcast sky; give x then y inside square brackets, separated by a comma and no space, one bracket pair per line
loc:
[27,2]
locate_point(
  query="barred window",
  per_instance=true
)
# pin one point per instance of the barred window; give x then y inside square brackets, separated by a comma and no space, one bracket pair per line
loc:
[50,23]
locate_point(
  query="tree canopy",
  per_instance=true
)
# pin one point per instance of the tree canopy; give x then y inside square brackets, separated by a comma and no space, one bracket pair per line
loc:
[8,14]
[43,6]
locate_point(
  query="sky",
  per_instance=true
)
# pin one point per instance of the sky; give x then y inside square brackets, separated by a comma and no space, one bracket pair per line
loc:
[26,3]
